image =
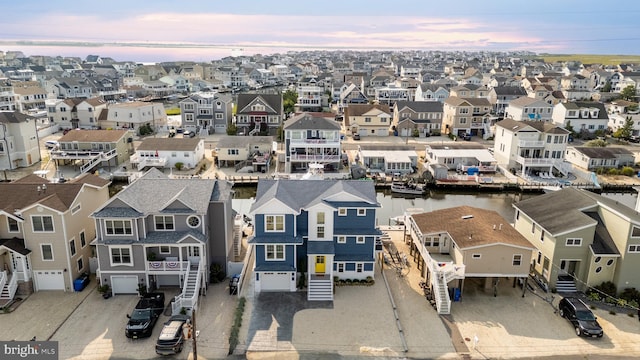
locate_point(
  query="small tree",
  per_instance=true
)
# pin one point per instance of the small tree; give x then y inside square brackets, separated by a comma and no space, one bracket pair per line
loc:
[607,87]
[289,99]
[232,129]
[628,93]
[179,166]
[569,127]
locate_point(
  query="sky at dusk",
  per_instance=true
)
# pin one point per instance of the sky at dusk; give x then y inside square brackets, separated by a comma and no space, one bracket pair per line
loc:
[165,30]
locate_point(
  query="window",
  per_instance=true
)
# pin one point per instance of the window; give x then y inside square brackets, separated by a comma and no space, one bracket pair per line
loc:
[362,212]
[476,256]
[342,212]
[541,235]
[367,119]
[609,262]
[75,209]
[342,239]
[533,228]
[12,224]
[80,264]
[634,248]
[539,257]
[72,247]
[597,259]
[83,239]
[635,231]
[598,269]
[320,222]
[193,221]
[574,241]
[360,240]
[165,250]
[274,223]
[359,267]
[232,151]
[42,223]
[164,223]
[118,227]
[274,252]
[121,256]
[47,252]
[517,260]
[340,267]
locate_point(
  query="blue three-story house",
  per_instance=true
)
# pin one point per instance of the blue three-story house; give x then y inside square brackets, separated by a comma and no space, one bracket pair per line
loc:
[319,229]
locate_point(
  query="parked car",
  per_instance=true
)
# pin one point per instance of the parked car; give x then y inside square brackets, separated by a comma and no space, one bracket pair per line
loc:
[189,134]
[171,338]
[356,136]
[634,139]
[466,137]
[51,144]
[582,319]
[145,315]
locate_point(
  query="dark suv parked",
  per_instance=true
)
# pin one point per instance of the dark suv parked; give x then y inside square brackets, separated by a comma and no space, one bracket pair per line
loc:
[171,339]
[145,315]
[583,320]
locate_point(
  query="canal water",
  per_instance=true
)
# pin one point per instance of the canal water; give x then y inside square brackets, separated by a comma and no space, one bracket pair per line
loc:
[393,206]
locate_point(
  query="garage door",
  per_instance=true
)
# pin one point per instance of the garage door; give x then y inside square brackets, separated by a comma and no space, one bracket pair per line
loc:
[124,284]
[275,281]
[49,280]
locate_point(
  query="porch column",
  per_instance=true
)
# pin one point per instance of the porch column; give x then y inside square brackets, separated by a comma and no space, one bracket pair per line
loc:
[25,269]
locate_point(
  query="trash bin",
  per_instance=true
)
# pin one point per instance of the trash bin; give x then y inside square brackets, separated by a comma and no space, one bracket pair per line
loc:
[456,294]
[233,284]
[81,282]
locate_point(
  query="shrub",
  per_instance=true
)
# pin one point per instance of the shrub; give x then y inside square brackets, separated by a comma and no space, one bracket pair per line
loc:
[621,302]
[633,304]
[612,312]
[630,314]
[612,171]
[348,282]
[363,282]
[179,166]
[608,288]
[593,296]
[627,171]
[235,328]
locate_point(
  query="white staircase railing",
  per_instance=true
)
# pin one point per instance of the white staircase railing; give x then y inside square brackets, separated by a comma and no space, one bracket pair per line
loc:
[188,298]
[3,279]
[97,159]
[443,302]
[8,291]
[237,236]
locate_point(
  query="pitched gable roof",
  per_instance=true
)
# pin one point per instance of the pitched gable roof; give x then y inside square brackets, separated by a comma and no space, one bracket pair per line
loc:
[306,121]
[274,101]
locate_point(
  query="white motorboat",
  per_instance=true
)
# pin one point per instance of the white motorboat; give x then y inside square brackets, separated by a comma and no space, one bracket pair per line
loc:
[408,188]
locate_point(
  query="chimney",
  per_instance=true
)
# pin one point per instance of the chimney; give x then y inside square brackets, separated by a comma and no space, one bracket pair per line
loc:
[500,227]
[38,188]
[44,188]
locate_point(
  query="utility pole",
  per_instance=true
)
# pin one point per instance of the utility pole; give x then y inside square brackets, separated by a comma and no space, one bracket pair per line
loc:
[193,334]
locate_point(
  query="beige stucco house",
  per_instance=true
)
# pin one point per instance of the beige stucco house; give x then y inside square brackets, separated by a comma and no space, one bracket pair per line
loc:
[90,148]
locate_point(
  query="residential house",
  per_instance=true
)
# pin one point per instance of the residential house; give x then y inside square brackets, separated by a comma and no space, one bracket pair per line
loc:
[388,158]
[259,113]
[469,91]
[77,113]
[133,115]
[251,151]
[7,97]
[388,95]
[160,232]
[69,87]
[528,108]
[310,95]
[466,116]
[529,147]
[350,94]
[459,156]
[501,96]
[583,239]
[87,149]
[319,229]
[45,231]
[619,112]
[464,244]
[368,119]
[19,144]
[29,97]
[582,116]
[423,116]
[311,139]
[167,152]
[431,92]
[208,112]
[594,158]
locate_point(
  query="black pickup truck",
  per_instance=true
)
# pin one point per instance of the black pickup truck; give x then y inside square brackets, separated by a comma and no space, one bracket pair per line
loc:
[145,315]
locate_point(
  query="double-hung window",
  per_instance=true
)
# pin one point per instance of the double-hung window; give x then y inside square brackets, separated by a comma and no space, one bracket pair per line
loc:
[163,222]
[118,227]
[274,223]
[274,252]
[42,223]
[121,256]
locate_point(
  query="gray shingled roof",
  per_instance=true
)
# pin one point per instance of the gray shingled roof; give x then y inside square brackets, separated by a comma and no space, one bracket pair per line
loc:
[603,152]
[301,194]
[306,121]
[420,106]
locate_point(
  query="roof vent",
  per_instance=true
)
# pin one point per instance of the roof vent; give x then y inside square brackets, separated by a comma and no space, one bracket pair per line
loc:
[465,217]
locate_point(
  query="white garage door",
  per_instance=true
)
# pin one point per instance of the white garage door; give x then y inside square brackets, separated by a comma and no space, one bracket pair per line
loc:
[124,284]
[275,281]
[49,280]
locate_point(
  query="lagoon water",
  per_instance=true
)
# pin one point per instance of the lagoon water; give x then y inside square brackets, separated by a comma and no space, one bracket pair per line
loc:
[393,206]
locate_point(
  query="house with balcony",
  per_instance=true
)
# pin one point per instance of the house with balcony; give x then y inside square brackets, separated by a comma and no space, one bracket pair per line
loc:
[19,143]
[164,153]
[245,151]
[208,112]
[310,95]
[593,158]
[468,246]
[7,97]
[425,117]
[530,147]
[582,116]
[388,158]
[431,92]
[311,139]
[350,94]
[460,156]
[466,116]
[162,232]
[77,113]
[469,91]
[133,115]
[69,87]
[390,94]
[620,111]
[528,108]
[88,149]
[368,119]
[29,97]
[501,96]
[583,239]
[319,229]
[259,114]
[45,231]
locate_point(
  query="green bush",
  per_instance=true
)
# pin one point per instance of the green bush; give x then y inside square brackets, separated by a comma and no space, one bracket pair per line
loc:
[593,296]
[612,171]
[235,328]
[608,288]
[179,166]
[628,171]
[612,312]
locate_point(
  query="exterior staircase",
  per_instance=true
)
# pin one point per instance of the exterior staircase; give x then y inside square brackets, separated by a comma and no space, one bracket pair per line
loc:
[320,288]
[566,284]
[8,286]
[237,237]
[441,290]
[188,299]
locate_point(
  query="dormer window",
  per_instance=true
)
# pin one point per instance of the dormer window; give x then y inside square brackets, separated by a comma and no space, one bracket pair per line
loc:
[257,107]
